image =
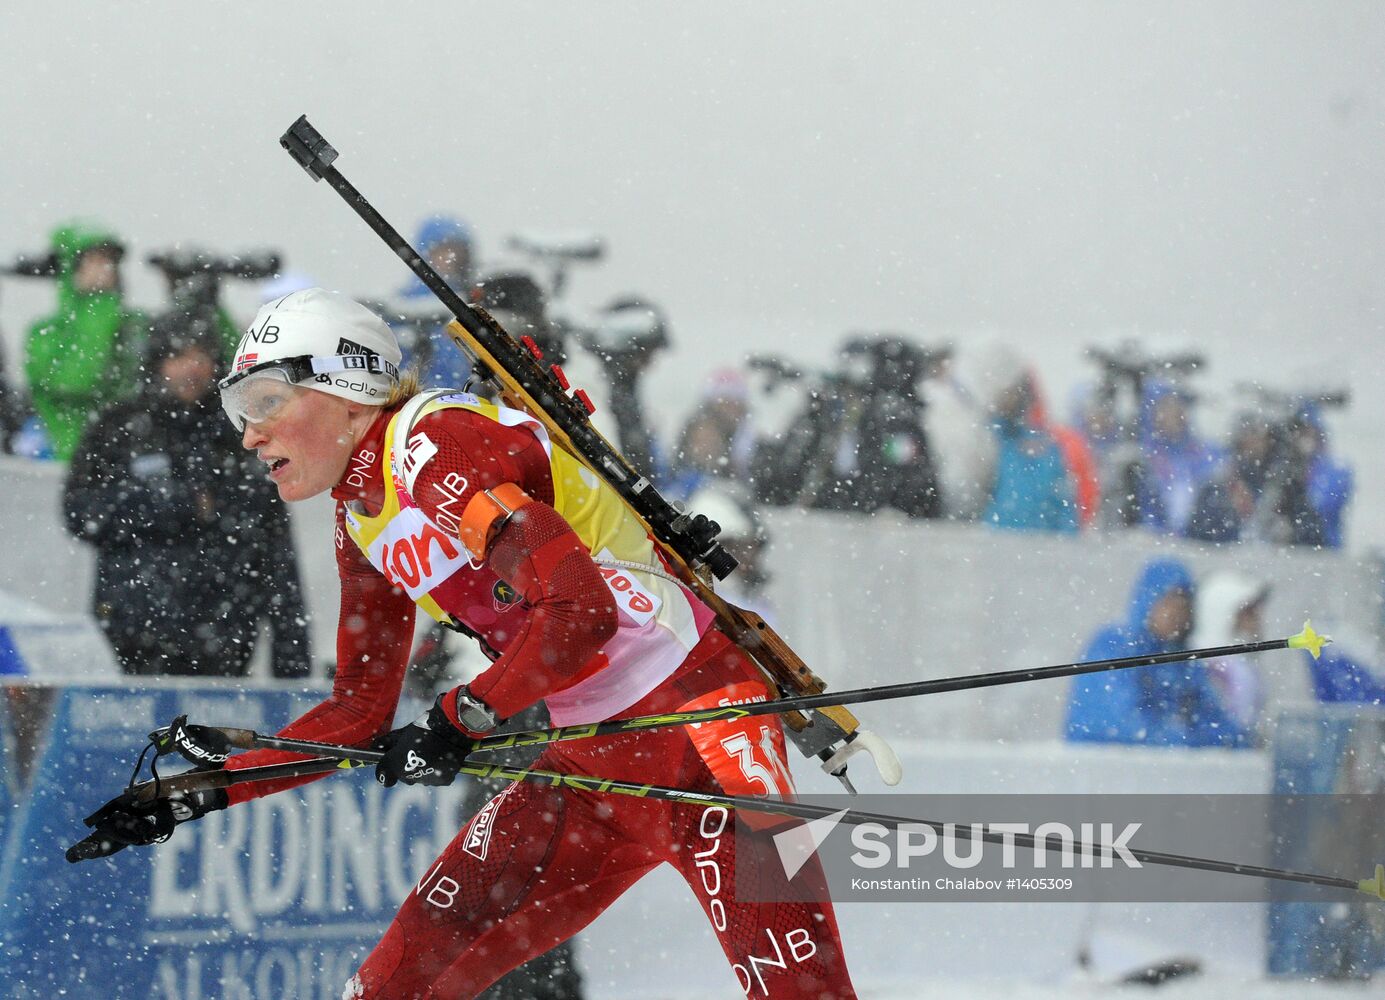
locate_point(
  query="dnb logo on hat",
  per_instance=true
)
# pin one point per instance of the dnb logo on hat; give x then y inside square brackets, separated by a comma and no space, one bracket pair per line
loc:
[355,354]
[371,359]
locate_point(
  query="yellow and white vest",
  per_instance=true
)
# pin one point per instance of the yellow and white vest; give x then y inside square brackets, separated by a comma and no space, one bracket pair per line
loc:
[659,620]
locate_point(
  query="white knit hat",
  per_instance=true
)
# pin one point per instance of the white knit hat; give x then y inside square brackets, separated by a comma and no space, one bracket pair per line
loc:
[353,353]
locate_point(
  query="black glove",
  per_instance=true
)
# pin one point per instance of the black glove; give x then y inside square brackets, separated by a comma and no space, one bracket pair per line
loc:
[126,822]
[428,751]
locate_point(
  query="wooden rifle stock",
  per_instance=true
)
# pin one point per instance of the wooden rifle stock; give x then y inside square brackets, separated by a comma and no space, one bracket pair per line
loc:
[753,634]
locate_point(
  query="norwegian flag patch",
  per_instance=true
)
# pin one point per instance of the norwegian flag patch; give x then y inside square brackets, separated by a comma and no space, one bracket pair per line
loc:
[246,361]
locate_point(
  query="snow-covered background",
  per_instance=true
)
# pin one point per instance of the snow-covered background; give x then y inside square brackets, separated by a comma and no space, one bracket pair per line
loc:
[774,174]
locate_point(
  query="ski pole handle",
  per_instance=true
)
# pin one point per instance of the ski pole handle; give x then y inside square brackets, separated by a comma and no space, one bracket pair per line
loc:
[343,758]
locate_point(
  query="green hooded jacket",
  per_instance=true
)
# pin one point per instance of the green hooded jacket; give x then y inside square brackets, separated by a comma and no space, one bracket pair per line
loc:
[87,354]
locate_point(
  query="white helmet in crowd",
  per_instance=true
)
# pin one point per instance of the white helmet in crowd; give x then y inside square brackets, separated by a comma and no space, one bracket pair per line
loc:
[722,503]
[318,339]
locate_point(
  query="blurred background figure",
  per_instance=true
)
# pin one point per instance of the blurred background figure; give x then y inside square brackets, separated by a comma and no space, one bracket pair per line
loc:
[1262,490]
[1230,609]
[1166,705]
[86,355]
[1032,489]
[1078,460]
[1329,481]
[13,406]
[1114,456]
[744,535]
[626,337]
[1115,417]
[188,529]
[886,458]
[964,450]
[1350,670]
[717,440]
[447,244]
[194,276]
[1176,463]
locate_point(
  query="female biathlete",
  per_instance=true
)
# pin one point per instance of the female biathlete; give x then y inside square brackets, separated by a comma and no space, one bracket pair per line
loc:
[466,509]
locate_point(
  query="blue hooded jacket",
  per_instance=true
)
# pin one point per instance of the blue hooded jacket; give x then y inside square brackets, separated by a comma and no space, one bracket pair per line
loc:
[1330,483]
[433,230]
[1338,676]
[1177,468]
[1032,489]
[447,367]
[1172,704]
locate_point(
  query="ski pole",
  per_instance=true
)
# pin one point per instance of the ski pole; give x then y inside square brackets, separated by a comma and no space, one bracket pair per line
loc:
[201,781]
[1373,886]
[347,758]
[245,739]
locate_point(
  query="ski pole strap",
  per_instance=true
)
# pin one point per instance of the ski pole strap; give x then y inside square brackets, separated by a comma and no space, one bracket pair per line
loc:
[195,781]
[205,747]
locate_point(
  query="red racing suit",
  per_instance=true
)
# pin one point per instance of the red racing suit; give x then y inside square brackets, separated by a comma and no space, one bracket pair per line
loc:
[537,864]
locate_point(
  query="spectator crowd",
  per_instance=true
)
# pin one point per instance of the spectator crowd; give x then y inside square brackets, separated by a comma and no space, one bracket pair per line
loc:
[196,570]
[185,531]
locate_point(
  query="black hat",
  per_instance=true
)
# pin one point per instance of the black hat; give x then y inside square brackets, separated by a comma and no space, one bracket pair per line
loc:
[178,331]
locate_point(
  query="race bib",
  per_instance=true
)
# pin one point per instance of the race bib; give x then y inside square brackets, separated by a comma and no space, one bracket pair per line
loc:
[746,756]
[633,599]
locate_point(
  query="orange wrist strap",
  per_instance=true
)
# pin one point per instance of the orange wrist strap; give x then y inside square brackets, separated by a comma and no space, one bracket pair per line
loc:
[486,513]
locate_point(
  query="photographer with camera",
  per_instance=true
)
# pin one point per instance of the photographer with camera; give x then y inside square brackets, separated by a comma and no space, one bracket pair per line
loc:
[622,338]
[894,461]
[193,549]
[857,441]
[1137,424]
[86,355]
[1329,483]
[1176,463]
[1279,485]
[625,338]
[194,277]
[872,450]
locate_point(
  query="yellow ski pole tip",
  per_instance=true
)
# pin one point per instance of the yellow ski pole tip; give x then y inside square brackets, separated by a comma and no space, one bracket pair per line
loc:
[1374,886]
[1309,640]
